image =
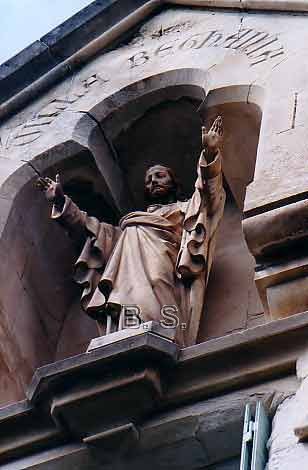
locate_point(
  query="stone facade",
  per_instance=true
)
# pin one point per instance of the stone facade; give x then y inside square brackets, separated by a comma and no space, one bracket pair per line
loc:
[116,90]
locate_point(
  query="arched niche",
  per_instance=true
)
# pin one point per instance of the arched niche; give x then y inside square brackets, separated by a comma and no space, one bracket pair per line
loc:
[159,120]
[152,120]
[37,292]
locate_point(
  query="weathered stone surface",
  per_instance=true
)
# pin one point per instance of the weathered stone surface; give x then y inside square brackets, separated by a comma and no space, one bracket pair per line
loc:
[302,365]
[68,457]
[25,430]
[176,55]
[226,69]
[172,31]
[143,347]
[284,449]
[232,464]
[21,70]
[277,239]
[288,441]
[186,437]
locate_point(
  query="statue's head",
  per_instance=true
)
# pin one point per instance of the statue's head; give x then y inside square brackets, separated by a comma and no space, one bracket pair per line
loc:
[160,185]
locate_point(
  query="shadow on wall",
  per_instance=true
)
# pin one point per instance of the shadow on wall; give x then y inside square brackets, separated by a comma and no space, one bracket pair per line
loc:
[38,293]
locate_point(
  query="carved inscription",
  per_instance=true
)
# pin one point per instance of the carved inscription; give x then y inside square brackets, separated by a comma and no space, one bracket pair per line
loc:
[258,46]
[34,128]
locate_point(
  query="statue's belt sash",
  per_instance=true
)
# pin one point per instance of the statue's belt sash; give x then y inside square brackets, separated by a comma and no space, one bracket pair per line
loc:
[146,218]
[169,230]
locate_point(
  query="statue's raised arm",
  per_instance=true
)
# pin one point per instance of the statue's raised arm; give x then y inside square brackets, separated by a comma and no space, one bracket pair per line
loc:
[212,140]
[53,190]
[210,180]
[203,215]
[156,258]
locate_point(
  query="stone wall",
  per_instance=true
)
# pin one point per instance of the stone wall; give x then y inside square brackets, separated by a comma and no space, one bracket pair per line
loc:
[242,62]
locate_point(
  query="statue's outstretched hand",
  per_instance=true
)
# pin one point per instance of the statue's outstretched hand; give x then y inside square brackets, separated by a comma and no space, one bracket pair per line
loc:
[212,139]
[53,190]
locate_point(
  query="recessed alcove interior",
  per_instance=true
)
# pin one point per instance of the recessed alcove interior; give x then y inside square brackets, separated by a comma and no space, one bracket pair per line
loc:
[41,317]
[39,300]
[170,133]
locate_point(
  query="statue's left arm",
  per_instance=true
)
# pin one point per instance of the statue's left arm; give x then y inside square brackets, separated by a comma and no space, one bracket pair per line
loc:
[204,212]
[205,208]
[210,181]
[210,166]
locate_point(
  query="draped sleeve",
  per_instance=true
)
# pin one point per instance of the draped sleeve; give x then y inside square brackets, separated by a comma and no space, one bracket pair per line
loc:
[98,238]
[204,211]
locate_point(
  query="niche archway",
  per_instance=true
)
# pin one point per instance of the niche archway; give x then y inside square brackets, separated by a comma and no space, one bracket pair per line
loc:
[156,120]
[40,317]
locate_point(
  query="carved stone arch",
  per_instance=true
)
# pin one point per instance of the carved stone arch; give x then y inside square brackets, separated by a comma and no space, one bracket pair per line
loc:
[118,112]
[36,285]
[81,144]
[120,118]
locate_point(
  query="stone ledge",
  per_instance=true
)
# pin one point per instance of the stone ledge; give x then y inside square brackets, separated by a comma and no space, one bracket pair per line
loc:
[25,429]
[208,430]
[256,354]
[238,360]
[141,349]
[150,326]
[226,344]
[127,380]
[274,5]
[16,410]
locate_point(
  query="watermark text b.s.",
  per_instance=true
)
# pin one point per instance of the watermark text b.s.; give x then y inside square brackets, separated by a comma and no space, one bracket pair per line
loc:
[169,317]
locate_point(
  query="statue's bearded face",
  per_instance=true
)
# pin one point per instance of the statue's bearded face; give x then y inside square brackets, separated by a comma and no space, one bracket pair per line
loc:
[159,184]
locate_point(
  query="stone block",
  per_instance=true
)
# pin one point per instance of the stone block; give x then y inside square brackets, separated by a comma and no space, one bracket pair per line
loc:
[114,444]
[302,365]
[288,298]
[168,429]
[151,326]
[93,408]
[183,454]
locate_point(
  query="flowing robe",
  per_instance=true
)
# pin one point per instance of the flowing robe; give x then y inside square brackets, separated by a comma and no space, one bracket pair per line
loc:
[153,259]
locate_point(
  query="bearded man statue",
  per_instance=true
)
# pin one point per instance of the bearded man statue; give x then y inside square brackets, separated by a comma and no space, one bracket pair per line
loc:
[156,260]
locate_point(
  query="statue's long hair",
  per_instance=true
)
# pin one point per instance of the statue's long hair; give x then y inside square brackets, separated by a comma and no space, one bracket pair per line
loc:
[177,189]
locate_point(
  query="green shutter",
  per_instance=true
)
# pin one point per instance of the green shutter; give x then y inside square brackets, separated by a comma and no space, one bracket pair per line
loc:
[261,435]
[247,440]
[255,436]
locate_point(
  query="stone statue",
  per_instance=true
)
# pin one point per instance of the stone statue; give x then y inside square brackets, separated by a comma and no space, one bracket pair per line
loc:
[158,260]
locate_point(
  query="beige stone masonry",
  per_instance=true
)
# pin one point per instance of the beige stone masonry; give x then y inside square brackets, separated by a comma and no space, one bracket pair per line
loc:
[288,447]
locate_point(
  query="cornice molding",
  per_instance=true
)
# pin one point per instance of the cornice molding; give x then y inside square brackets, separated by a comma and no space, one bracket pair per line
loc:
[46,62]
[268,5]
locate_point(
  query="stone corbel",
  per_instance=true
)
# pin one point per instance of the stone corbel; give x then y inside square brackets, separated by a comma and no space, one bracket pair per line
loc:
[278,240]
[101,399]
